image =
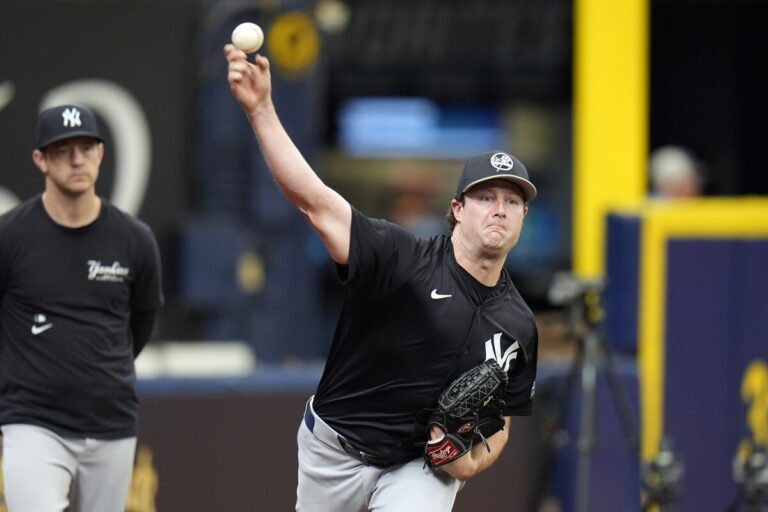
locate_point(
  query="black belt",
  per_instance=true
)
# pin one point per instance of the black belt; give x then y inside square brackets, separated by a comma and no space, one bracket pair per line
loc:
[324,433]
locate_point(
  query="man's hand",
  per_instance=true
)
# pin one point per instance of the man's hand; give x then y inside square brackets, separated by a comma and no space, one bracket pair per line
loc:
[469,409]
[478,458]
[329,214]
[250,83]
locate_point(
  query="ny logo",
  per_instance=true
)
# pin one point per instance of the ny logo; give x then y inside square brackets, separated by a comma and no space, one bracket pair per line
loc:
[493,351]
[71,117]
[502,162]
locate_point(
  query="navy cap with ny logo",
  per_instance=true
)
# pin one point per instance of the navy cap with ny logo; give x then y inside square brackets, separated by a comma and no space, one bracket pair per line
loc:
[65,122]
[495,165]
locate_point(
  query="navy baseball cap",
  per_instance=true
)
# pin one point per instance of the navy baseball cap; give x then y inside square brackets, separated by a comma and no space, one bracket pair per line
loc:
[65,122]
[495,165]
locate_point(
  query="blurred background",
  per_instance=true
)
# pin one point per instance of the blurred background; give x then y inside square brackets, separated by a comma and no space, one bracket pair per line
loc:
[616,110]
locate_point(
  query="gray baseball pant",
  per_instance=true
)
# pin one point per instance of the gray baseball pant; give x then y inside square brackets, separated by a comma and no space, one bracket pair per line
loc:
[331,479]
[41,470]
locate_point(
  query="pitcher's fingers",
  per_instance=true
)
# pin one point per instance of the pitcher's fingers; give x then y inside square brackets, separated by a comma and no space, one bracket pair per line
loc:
[232,53]
[262,62]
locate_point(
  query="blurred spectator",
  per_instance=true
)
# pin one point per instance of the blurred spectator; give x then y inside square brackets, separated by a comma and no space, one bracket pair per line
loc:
[675,172]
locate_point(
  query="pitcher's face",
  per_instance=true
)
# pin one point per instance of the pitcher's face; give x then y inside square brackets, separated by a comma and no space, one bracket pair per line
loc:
[491,218]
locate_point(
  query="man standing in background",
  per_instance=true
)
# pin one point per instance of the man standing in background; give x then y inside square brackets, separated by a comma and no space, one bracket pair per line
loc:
[80,286]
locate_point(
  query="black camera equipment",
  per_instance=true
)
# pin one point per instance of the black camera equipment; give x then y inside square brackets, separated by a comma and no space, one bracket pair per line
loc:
[662,478]
[583,300]
[750,472]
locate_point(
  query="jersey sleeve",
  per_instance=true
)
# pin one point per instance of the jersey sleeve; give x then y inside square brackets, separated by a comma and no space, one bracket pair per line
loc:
[146,293]
[3,267]
[522,384]
[3,264]
[381,255]
[4,253]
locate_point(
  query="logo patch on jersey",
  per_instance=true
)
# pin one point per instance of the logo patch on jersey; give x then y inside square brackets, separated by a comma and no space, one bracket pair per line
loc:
[113,272]
[37,328]
[493,351]
[438,296]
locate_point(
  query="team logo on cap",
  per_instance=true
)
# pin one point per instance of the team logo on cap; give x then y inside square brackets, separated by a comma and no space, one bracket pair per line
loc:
[71,117]
[502,162]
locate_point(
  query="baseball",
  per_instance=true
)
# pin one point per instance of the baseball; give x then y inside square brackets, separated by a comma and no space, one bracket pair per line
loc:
[248,37]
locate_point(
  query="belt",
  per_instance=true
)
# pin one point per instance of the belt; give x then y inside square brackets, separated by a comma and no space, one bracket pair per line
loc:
[326,434]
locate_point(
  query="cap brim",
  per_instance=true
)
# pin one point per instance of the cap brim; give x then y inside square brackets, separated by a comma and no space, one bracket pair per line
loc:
[529,190]
[71,135]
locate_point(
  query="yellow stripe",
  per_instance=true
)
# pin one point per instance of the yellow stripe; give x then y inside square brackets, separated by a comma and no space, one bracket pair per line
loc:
[610,119]
[651,347]
[725,218]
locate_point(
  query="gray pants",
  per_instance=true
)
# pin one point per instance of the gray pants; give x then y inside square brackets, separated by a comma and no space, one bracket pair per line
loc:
[330,479]
[41,470]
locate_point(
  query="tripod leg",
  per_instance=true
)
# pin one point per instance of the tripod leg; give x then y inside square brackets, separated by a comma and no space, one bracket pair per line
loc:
[555,426]
[622,402]
[587,415]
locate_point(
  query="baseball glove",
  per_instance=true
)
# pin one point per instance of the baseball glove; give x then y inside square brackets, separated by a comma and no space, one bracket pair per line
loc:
[469,410]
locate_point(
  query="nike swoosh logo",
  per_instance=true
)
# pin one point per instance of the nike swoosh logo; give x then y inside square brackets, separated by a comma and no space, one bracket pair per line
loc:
[37,329]
[438,296]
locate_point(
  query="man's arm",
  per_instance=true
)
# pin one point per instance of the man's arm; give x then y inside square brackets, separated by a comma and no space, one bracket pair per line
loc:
[478,459]
[142,323]
[329,214]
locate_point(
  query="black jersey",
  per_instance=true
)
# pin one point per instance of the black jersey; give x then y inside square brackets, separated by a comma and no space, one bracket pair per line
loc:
[66,298]
[413,320]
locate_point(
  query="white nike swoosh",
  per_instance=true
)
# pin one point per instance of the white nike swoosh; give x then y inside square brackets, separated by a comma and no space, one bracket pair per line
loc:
[438,296]
[37,329]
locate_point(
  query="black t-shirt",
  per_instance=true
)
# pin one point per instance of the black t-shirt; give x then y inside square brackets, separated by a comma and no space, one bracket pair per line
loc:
[66,298]
[414,320]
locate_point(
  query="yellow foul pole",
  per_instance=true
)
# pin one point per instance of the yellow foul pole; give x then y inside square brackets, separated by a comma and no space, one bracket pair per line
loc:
[610,119]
